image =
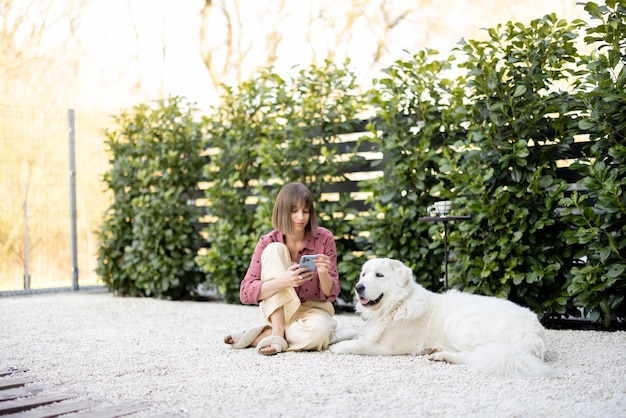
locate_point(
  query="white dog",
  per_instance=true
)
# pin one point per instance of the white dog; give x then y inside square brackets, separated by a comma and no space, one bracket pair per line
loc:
[490,334]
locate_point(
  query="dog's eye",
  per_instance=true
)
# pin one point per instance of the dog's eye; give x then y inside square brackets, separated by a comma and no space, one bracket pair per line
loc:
[380,275]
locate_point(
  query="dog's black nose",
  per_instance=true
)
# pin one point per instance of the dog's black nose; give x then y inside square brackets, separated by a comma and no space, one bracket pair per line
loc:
[360,287]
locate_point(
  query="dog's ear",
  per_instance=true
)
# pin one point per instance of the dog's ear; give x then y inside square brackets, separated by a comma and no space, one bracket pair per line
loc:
[401,273]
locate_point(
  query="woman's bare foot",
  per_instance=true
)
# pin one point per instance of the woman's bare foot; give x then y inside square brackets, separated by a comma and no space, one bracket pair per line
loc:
[266,333]
[267,350]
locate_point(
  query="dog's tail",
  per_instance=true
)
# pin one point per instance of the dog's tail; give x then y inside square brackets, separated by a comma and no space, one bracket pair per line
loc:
[512,360]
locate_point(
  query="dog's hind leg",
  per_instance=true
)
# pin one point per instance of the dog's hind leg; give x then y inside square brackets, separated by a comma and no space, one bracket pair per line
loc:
[454,357]
[503,360]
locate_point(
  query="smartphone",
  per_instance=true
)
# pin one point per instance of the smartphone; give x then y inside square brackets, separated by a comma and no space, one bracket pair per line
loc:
[306,262]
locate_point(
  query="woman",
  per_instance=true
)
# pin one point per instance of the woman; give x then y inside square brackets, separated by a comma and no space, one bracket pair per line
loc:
[295,301]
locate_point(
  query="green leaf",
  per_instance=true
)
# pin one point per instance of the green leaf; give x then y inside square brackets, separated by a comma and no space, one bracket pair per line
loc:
[616,270]
[520,89]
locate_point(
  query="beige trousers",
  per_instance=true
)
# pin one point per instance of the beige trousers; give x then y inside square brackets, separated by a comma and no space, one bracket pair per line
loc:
[309,325]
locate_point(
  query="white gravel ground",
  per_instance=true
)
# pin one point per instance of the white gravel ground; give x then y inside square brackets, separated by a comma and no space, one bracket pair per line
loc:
[171,356]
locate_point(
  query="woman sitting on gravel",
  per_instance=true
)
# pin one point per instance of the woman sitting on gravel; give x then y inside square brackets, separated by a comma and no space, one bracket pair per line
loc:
[295,301]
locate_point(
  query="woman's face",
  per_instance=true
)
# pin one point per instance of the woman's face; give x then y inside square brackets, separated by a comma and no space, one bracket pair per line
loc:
[299,218]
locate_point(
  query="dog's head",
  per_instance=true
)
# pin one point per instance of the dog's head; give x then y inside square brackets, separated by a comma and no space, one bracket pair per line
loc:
[382,283]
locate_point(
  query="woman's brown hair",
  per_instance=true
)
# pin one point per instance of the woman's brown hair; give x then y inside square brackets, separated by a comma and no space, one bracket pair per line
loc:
[293,195]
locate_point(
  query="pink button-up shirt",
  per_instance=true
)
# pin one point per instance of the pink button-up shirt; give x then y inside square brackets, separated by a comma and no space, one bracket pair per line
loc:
[323,243]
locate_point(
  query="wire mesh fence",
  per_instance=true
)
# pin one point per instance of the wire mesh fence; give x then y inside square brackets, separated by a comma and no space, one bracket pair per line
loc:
[36,208]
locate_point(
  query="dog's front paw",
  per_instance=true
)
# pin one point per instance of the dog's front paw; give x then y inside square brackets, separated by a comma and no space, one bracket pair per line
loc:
[436,356]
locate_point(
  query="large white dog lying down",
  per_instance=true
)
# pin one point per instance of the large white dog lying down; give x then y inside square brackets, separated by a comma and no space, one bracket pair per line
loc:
[490,334]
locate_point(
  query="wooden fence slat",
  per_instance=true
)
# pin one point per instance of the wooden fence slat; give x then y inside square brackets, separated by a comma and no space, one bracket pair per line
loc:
[15,382]
[19,405]
[55,410]
[111,411]
[16,393]
[353,147]
[342,187]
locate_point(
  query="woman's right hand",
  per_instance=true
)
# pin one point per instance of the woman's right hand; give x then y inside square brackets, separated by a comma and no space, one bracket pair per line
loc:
[296,276]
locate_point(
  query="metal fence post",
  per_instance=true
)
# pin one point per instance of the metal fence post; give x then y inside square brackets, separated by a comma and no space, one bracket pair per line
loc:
[26,241]
[70,117]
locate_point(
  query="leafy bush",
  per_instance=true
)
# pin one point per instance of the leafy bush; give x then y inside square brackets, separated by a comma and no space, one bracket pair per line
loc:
[519,122]
[147,238]
[489,140]
[599,216]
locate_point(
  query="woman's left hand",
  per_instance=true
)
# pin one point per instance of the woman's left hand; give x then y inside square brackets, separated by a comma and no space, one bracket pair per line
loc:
[322,263]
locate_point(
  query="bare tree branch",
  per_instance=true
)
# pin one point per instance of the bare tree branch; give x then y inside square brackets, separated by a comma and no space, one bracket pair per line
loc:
[28,52]
[133,23]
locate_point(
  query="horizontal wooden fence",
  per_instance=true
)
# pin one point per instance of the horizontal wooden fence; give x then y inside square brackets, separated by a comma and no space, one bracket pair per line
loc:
[371,163]
[368,164]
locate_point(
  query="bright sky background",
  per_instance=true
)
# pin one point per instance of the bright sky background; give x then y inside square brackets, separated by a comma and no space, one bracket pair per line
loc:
[109,41]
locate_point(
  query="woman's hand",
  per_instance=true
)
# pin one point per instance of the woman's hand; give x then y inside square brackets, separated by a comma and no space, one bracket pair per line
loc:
[296,276]
[322,264]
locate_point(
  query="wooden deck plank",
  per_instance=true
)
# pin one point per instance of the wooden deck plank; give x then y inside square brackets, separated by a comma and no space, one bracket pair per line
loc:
[20,401]
[11,370]
[19,405]
[15,382]
[111,411]
[16,393]
[55,410]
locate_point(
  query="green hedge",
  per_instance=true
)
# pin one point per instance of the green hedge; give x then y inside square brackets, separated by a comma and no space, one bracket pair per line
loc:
[599,217]
[519,122]
[146,242]
[483,128]
[488,141]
